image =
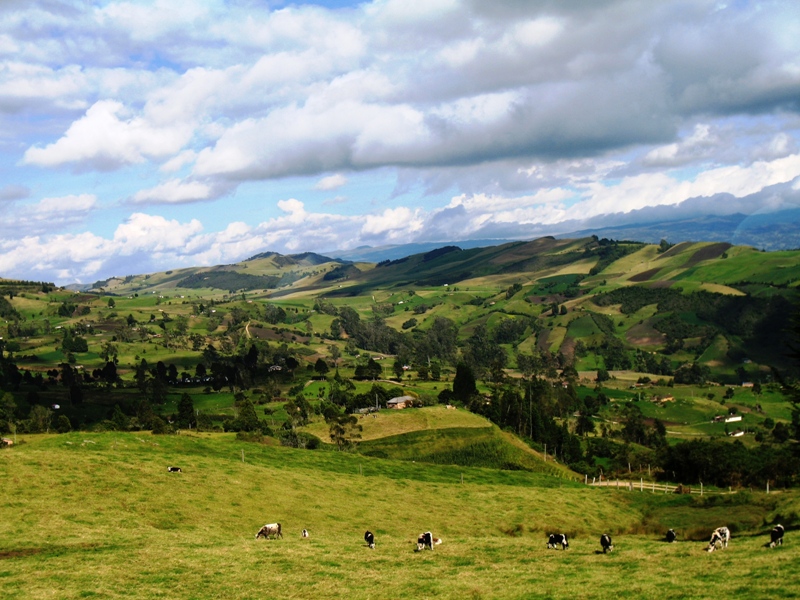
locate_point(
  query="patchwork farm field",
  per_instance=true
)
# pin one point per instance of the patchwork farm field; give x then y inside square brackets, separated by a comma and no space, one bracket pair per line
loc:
[97,515]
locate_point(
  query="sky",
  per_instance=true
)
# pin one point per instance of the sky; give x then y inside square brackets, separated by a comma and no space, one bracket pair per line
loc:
[143,136]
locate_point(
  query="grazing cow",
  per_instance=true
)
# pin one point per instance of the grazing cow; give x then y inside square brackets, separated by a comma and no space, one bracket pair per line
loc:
[174,470]
[671,535]
[270,529]
[722,536]
[426,540]
[605,542]
[305,533]
[369,537]
[558,538]
[776,536]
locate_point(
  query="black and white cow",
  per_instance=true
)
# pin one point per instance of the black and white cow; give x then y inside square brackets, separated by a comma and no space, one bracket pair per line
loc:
[426,540]
[557,538]
[776,536]
[369,537]
[270,529]
[605,542]
[304,533]
[671,535]
[722,536]
[174,470]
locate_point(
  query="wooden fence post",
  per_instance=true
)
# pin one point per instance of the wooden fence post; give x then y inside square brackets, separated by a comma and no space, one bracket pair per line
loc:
[768,486]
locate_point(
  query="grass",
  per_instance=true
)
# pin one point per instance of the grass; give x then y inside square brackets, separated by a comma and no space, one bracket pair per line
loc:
[97,515]
[394,422]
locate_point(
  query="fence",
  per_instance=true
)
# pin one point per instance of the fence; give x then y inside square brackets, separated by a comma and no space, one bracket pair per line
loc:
[652,487]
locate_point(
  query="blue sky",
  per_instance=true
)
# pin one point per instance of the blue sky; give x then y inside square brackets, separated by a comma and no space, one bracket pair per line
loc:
[144,136]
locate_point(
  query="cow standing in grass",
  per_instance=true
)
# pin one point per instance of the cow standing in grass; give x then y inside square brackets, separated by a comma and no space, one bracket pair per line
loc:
[671,535]
[605,542]
[369,537]
[270,529]
[721,536]
[174,470]
[557,538]
[776,536]
[426,540]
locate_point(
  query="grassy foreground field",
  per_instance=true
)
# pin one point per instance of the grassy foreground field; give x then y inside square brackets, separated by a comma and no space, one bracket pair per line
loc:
[97,515]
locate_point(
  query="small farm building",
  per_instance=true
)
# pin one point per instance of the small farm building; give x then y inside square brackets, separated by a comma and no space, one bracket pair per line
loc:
[400,402]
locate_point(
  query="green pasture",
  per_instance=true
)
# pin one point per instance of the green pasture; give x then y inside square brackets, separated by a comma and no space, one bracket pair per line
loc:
[388,423]
[747,264]
[97,515]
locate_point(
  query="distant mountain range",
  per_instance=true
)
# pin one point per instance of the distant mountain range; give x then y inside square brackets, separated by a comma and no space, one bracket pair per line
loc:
[768,220]
[770,231]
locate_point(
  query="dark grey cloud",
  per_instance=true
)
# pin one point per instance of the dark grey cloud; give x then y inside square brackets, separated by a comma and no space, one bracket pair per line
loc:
[14,192]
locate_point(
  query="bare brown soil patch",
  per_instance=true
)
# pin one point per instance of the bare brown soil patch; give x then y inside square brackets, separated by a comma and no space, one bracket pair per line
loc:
[19,553]
[709,252]
[676,249]
[644,275]
[541,341]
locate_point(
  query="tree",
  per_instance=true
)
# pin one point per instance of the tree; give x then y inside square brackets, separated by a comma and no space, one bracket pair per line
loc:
[7,409]
[108,351]
[321,367]
[436,371]
[397,367]
[109,373]
[464,383]
[63,424]
[247,419]
[344,430]
[584,425]
[119,419]
[111,303]
[40,419]
[297,412]
[186,416]
[335,353]
[482,351]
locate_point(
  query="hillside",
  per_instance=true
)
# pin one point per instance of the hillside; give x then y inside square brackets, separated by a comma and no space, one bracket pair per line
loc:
[127,528]
[600,353]
[439,435]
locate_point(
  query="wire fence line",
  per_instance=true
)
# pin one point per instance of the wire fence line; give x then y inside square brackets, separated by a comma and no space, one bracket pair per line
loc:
[652,487]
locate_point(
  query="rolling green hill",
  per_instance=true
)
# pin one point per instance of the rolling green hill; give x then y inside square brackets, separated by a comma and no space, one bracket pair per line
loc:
[537,323]
[97,515]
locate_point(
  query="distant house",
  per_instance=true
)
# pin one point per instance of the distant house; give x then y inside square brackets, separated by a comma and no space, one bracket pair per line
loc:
[400,402]
[747,384]
[737,433]
[658,398]
[733,418]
